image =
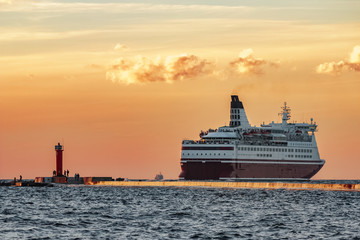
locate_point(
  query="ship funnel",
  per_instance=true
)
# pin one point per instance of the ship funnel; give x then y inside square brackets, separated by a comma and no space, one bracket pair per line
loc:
[238,116]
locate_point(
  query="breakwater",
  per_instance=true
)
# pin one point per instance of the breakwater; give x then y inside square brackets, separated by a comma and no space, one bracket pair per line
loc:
[266,185]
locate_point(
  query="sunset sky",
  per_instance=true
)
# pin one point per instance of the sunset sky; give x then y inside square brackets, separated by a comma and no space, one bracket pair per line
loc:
[122,83]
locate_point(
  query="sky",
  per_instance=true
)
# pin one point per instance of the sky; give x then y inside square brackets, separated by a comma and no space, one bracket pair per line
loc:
[121,83]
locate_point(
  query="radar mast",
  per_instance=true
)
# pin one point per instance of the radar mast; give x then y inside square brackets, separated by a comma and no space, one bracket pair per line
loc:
[286,113]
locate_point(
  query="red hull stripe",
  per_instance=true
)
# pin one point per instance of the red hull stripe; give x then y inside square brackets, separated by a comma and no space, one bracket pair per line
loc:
[207,148]
[248,160]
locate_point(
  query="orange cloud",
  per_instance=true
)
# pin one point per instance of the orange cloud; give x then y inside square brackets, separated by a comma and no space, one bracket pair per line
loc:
[145,70]
[246,63]
[353,64]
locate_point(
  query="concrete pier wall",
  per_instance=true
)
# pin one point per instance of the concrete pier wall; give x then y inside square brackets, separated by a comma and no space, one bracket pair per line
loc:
[266,185]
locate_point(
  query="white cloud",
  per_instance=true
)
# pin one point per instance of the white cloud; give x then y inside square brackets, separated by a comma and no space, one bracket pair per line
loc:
[353,64]
[246,63]
[121,47]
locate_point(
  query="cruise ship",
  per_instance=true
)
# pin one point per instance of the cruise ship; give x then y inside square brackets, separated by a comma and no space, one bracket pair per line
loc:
[274,151]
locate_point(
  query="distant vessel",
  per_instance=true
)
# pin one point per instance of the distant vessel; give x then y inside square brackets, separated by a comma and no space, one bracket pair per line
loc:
[159,177]
[274,151]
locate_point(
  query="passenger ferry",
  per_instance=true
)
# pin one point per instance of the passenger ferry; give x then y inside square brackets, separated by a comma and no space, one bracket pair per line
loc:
[274,151]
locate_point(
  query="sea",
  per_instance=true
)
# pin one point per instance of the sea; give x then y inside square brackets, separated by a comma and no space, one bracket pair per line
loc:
[103,212]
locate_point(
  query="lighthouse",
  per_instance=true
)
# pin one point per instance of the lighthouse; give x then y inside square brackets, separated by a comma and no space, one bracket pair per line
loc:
[59,159]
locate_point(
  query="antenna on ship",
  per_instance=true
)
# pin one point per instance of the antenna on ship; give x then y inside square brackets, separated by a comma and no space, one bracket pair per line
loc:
[286,113]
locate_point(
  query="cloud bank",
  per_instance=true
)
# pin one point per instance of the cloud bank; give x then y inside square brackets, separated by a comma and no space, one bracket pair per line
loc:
[145,70]
[176,68]
[352,64]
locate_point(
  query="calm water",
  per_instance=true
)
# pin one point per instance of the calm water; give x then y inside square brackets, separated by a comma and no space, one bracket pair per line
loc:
[88,212]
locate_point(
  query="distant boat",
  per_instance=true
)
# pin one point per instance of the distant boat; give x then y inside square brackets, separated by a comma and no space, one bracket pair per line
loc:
[159,177]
